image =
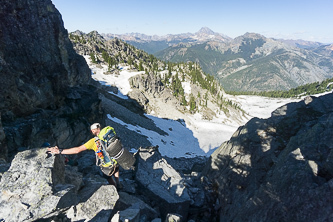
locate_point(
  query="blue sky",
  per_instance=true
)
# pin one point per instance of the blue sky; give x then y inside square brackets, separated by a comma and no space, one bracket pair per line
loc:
[288,19]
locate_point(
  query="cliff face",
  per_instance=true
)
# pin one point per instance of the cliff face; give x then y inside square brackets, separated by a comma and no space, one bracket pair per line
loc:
[42,77]
[38,62]
[280,168]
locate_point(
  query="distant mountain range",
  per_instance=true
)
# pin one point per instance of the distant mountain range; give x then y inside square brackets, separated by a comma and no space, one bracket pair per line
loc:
[301,43]
[155,43]
[250,62]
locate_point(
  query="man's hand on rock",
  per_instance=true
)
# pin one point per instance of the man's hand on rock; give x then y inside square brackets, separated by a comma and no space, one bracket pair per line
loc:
[54,150]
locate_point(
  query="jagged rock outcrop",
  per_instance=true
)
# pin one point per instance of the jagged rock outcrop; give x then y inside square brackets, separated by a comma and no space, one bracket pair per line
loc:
[278,169]
[44,83]
[147,87]
[147,82]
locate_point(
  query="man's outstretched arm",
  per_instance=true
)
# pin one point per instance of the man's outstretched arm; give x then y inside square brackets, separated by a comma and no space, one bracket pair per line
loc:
[73,150]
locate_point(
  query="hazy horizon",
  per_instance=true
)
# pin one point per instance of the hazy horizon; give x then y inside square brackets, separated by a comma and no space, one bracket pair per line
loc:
[306,19]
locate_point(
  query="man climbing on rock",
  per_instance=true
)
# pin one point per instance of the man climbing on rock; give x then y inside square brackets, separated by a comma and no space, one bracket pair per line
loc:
[108,165]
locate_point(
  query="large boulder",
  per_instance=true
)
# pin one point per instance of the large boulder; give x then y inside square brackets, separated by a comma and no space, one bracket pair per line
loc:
[39,186]
[161,183]
[34,187]
[98,207]
[278,169]
[128,204]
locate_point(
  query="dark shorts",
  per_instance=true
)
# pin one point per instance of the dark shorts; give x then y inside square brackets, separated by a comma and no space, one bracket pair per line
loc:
[109,171]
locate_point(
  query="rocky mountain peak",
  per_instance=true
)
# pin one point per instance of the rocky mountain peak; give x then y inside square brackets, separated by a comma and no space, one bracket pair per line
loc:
[95,34]
[330,47]
[78,32]
[205,30]
[252,35]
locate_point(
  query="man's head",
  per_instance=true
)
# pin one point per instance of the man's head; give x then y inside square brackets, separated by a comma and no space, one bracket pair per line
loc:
[95,129]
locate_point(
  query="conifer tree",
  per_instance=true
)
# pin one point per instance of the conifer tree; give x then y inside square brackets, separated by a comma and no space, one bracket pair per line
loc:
[130,62]
[184,102]
[92,57]
[169,69]
[192,103]
[140,66]
[206,99]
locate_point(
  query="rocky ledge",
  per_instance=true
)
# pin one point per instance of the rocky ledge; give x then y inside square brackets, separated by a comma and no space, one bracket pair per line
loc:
[40,186]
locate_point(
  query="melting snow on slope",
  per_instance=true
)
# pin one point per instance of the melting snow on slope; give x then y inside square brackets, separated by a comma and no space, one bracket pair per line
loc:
[187,87]
[173,144]
[260,107]
[210,134]
[120,81]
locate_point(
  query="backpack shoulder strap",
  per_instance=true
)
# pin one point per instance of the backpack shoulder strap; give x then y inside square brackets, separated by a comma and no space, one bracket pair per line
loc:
[102,155]
[106,133]
[98,144]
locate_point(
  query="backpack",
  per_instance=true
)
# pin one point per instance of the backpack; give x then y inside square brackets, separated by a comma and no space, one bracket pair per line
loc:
[113,148]
[103,160]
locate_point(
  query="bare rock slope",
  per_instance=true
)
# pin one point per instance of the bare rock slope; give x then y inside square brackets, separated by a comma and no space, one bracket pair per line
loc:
[280,168]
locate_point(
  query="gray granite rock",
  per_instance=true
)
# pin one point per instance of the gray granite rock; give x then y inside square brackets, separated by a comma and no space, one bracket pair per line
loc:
[277,169]
[162,183]
[34,187]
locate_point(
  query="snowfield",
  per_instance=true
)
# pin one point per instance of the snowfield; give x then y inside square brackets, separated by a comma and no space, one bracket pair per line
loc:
[260,107]
[193,136]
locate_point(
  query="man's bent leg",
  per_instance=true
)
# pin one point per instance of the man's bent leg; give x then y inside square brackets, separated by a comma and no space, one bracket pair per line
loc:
[116,176]
[111,181]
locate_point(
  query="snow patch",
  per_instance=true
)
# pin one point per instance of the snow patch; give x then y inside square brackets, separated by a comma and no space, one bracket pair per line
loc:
[120,81]
[179,142]
[187,87]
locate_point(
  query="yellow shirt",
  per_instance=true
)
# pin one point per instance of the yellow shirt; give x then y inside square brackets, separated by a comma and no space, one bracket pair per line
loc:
[91,145]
